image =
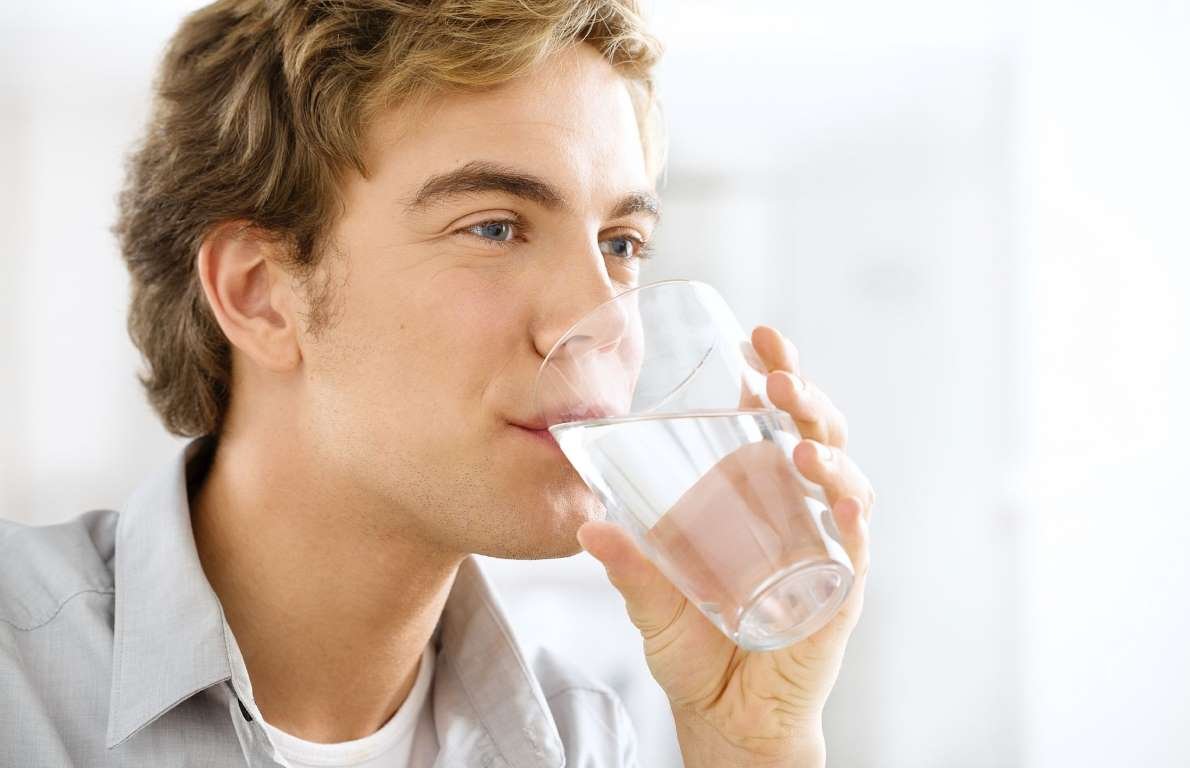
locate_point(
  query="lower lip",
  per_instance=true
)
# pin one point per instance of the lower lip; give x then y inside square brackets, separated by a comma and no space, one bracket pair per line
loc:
[542,436]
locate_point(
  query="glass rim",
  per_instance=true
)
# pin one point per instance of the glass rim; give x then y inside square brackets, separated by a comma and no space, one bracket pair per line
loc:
[635,289]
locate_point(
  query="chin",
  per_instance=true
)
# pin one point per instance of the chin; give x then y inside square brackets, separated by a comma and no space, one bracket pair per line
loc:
[549,531]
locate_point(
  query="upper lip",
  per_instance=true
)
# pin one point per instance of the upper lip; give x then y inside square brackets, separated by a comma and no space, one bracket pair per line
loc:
[558,416]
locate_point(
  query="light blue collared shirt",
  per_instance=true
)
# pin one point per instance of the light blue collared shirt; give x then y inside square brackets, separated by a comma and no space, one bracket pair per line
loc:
[113,652]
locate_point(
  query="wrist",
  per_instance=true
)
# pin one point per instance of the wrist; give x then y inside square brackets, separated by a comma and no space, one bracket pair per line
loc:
[703,746]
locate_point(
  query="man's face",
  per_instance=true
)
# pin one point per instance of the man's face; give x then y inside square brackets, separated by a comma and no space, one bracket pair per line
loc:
[491,223]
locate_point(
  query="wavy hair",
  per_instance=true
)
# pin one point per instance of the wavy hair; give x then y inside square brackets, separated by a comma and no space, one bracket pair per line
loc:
[260,107]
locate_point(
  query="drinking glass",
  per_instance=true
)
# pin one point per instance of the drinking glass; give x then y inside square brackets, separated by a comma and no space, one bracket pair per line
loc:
[657,398]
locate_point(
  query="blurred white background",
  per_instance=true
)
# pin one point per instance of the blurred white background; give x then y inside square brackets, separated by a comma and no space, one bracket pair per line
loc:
[972,217]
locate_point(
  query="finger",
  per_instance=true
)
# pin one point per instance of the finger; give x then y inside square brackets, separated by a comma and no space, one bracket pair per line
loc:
[853,528]
[651,599]
[771,343]
[777,352]
[836,472]
[816,416]
[805,402]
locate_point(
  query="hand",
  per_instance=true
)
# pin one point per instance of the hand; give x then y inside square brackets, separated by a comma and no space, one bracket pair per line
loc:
[737,707]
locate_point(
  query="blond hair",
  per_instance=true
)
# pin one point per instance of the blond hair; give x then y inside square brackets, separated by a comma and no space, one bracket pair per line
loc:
[259,108]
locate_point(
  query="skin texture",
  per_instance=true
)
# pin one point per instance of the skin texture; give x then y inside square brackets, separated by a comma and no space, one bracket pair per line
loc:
[357,467]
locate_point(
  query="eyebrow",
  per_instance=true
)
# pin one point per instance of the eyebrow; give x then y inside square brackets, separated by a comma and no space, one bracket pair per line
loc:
[478,177]
[637,202]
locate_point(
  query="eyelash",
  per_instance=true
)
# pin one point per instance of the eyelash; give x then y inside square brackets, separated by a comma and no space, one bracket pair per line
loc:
[643,248]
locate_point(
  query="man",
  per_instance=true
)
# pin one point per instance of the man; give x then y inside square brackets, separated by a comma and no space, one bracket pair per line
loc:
[353,231]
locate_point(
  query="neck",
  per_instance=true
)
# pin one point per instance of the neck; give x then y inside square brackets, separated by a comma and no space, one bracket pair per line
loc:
[331,616]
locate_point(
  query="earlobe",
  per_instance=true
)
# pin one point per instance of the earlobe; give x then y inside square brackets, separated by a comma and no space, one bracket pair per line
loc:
[250,294]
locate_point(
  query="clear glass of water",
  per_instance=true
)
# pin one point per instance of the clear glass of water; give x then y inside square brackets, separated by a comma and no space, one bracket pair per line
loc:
[657,399]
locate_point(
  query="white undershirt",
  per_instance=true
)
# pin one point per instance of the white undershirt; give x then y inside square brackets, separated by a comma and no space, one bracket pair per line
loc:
[407,740]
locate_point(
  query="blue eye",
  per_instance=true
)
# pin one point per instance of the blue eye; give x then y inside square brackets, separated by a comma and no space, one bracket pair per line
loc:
[499,231]
[627,248]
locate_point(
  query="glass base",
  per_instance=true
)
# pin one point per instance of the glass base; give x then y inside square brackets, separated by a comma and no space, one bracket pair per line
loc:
[792,606]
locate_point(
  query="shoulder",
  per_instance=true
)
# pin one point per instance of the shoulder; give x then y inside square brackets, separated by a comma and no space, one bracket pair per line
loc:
[590,716]
[44,568]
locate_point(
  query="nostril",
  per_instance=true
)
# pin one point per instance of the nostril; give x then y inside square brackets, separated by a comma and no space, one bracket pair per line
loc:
[579,345]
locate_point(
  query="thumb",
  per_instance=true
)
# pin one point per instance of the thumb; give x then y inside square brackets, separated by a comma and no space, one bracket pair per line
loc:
[651,599]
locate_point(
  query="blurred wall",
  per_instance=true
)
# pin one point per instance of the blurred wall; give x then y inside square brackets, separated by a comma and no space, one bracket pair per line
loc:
[969,216]
[1104,162]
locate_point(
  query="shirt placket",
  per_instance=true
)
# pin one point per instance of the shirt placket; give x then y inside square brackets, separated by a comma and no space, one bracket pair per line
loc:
[258,751]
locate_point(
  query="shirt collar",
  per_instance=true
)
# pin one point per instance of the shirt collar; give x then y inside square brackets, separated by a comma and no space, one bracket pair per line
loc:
[482,674]
[170,642]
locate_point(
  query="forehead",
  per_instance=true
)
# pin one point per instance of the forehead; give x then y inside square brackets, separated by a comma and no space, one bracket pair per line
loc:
[570,119]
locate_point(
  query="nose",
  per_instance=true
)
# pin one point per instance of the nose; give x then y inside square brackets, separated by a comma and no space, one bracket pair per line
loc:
[572,299]
[592,339]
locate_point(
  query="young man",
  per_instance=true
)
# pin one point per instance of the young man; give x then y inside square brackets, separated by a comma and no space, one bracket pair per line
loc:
[353,231]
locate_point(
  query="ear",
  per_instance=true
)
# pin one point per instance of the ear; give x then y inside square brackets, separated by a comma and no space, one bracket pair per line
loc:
[251,294]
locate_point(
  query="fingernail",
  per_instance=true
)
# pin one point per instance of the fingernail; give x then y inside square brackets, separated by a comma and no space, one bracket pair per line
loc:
[752,358]
[824,452]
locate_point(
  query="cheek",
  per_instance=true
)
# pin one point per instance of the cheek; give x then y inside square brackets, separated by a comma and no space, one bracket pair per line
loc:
[475,305]
[424,354]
